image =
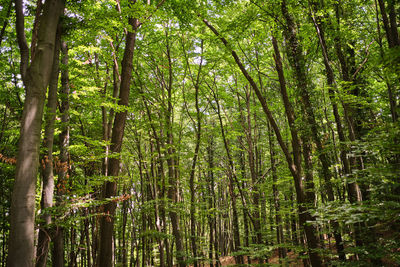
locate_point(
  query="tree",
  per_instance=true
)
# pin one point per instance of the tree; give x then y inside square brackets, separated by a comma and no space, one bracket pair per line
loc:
[110,188]
[36,78]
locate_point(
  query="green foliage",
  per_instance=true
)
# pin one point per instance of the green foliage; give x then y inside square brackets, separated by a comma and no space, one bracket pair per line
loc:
[161,129]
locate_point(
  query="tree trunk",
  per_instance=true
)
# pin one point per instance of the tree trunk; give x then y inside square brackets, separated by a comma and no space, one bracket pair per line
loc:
[278,221]
[172,162]
[390,24]
[196,84]
[294,168]
[63,165]
[72,253]
[353,189]
[253,173]
[47,160]
[36,80]
[392,35]
[123,233]
[302,198]
[110,187]
[212,222]
[323,157]
[235,221]
[6,19]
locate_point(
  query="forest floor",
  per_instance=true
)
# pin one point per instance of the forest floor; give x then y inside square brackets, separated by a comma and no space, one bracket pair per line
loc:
[294,260]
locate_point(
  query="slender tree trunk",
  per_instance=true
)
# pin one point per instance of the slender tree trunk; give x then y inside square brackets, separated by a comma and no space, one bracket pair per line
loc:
[87,240]
[244,208]
[197,127]
[172,195]
[47,160]
[110,187]
[235,221]
[275,192]
[246,231]
[294,168]
[392,36]
[390,24]
[6,19]
[306,198]
[292,222]
[123,233]
[212,222]
[353,189]
[63,165]
[323,157]
[172,162]
[161,196]
[72,252]
[253,173]
[36,80]
[296,56]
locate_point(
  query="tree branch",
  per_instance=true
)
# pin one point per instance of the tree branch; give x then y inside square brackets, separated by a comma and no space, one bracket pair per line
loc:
[5,21]
[23,45]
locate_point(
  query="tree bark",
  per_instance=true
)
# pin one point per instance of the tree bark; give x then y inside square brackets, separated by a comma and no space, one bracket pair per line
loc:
[47,160]
[212,223]
[110,187]
[6,19]
[196,84]
[36,80]
[172,192]
[36,28]
[389,24]
[392,35]
[63,164]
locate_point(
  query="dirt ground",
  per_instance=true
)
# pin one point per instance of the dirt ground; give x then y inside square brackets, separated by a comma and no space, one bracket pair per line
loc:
[230,261]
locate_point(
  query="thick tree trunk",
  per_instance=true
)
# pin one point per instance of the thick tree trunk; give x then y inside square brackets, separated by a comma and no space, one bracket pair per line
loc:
[36,80]
[58,248]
